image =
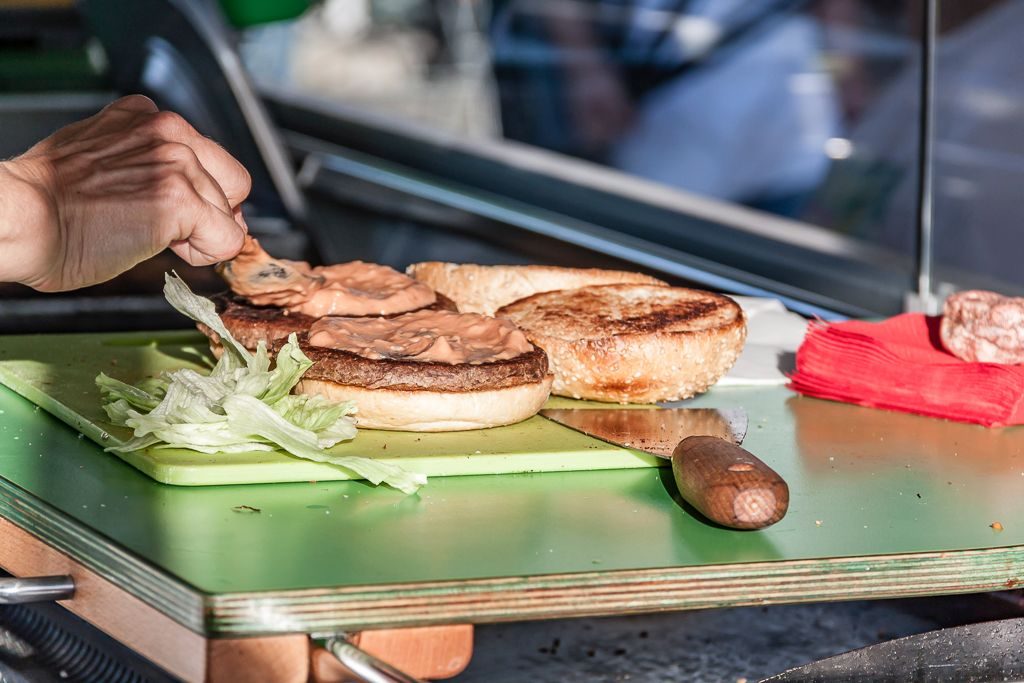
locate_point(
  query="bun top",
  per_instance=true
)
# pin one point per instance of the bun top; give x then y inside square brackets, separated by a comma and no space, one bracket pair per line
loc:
[625,309]
[485,289]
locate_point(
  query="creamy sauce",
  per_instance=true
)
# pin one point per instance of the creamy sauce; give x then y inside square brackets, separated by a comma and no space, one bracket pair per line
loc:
[437,336]
[359,288]
[266,281]
[354,288]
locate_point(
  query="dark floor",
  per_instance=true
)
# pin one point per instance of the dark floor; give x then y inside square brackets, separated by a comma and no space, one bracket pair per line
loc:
[729,645]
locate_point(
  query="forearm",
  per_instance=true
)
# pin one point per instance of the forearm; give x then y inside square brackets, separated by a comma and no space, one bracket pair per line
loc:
[27,226]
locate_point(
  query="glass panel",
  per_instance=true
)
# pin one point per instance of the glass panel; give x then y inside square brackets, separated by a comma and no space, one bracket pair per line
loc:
[782,105]
[806,109]
[979,146]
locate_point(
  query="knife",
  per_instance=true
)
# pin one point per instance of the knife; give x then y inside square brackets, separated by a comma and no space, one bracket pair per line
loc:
[725,482]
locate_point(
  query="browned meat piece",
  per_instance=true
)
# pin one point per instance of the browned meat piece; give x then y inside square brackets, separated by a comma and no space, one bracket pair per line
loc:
[984,327]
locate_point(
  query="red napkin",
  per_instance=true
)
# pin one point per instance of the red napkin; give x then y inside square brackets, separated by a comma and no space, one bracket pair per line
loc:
[899,364]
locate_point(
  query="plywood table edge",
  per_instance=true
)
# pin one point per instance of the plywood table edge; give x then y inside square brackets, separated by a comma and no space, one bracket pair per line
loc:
[178,600]
[621,592]
[146,630]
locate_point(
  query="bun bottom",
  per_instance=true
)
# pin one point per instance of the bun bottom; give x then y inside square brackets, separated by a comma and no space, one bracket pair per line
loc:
[435,411]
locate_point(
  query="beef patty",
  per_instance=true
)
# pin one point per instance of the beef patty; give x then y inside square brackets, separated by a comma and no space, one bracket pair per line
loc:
[351,369]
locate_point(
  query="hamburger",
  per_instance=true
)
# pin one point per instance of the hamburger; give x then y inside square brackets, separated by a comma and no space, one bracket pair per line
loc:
[385,341]
[427,371]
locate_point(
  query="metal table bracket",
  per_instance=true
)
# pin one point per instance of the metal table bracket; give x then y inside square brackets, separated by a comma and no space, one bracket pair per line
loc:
[17,590]
[364,665]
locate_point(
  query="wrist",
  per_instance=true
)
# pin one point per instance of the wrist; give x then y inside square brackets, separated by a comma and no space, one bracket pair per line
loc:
[28,222]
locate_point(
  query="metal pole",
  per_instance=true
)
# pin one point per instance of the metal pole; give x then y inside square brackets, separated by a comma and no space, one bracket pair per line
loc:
[926,299]
[364,665]
[15,591]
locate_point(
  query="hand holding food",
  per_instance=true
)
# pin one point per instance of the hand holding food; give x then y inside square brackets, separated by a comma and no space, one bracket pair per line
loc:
[101,195]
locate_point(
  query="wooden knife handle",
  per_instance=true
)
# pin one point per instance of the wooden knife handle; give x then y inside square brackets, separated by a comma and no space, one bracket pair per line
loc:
[728,484]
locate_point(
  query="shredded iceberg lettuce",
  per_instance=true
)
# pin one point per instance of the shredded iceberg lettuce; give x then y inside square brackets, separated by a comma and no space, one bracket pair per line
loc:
[242,405]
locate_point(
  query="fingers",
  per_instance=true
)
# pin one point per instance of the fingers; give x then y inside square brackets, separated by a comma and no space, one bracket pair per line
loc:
[184,159]
[134,122]
[240,219]
[191,213]
[136,103]
[168,138]
[213,236]
[211,193]
[230,175]
[210,232]
[113,118]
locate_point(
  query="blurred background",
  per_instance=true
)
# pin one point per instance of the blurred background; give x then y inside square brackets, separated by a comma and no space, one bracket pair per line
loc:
[771,147]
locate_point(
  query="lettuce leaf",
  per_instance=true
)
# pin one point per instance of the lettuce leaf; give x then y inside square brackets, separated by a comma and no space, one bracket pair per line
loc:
[250,416]
[242,405]
[201,310]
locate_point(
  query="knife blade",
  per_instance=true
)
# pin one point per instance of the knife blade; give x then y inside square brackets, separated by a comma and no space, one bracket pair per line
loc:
[714,474]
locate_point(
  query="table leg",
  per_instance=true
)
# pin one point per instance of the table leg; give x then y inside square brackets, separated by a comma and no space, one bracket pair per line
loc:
[276,659]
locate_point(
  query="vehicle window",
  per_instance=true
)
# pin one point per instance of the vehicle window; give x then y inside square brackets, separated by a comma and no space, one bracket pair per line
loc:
[780,105]
[979,146]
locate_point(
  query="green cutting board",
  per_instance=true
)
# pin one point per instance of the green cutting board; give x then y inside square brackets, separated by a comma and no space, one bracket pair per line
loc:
[57,373]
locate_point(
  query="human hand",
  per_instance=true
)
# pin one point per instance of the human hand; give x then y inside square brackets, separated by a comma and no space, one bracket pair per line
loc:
[101,195]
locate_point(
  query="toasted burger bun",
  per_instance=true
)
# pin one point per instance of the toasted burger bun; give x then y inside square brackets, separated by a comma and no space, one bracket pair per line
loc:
[435,411]
[632,343]
[485,289]
[409,395]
